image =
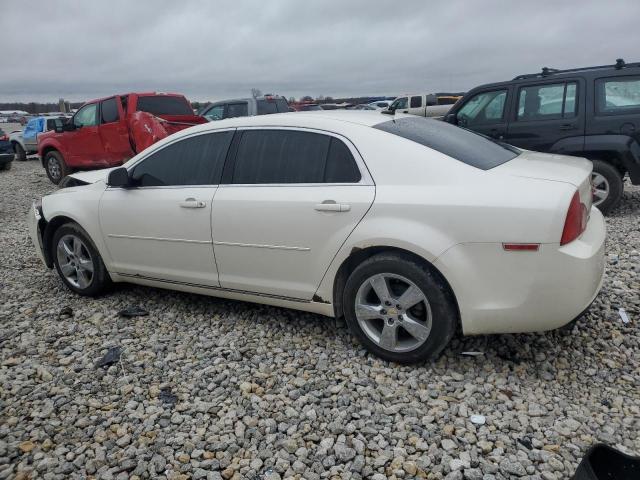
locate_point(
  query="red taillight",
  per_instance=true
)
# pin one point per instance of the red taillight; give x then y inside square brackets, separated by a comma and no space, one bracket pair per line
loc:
[576,221]
[4,138]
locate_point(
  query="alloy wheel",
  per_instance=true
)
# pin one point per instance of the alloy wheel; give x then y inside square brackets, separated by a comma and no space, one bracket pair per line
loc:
[54,168]
[600,188]
[393,312]
[75,261]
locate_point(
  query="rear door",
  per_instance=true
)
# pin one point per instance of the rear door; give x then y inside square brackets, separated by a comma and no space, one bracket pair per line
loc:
[236,109]
[417,105]
[546,113]
[617,106]
[486,112]
[288,201]
[114,132]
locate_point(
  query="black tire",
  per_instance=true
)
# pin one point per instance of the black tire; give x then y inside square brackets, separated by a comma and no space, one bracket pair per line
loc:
[6,166]
[55,166]
[615,184]
[444,317]
[100,280]
[21,155]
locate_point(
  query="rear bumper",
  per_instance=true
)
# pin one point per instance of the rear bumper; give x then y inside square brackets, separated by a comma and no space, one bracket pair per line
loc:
[510,292]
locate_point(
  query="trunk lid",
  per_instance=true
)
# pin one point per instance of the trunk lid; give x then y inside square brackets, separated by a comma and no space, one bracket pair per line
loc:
[575,171]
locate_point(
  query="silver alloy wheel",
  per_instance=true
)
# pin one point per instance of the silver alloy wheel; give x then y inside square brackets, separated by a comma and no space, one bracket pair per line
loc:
[600,188]
[75,261]
[54,167]
[393,312]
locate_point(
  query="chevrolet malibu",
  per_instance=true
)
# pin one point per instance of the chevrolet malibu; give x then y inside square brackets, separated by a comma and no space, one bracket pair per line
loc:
[409,227]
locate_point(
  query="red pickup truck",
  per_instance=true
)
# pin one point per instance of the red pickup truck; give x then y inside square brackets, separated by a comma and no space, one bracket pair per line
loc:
[109,131]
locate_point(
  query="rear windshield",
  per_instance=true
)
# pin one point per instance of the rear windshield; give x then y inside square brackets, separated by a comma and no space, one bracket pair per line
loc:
[164,105]
[459,143]
[276,105]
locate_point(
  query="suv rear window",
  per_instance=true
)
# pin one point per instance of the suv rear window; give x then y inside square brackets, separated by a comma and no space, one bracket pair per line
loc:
[618,94]
[164,105]
[456,142]
[276,105]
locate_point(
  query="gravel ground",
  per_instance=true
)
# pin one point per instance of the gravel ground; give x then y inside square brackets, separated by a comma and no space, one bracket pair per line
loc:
[208,388]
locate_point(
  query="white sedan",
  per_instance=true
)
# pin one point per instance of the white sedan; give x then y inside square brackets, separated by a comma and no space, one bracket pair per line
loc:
[409,227]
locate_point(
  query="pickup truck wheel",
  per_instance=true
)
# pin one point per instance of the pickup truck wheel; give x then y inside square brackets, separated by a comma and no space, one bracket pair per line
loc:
[55,167]
[608,186]
[20,153]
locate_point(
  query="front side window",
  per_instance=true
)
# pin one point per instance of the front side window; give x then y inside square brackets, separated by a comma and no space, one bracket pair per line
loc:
[547,102]
[109,111]
[459,143]
[86,116]
[215,113]
[237,110]
[289,156]
[193,161]
[416,102]
[618,94]
[483,108]
[400,103]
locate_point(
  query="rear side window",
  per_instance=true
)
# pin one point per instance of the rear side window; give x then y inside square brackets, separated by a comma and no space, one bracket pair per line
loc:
[547,102]
[193,161]
[458,143]
[237,110]
[289,156]
[109,111]
[275,105]
[416,102]
[164,105]
[618,95]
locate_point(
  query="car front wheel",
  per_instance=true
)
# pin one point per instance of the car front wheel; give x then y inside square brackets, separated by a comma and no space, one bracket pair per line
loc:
[608,186]
[55,166]
[398,309]
[78,262]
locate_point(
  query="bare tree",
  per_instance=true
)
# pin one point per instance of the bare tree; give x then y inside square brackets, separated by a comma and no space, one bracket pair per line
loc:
[256,92]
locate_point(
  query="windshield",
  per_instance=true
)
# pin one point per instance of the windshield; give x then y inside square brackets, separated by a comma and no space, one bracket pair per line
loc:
[164,105]
[459,143]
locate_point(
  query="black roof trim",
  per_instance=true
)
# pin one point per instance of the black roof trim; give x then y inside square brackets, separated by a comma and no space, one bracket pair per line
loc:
[546,71]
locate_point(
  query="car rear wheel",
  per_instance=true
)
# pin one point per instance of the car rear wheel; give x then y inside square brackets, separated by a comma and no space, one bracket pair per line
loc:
[398,309]
[608,186]
[19,151]
[78,262]
[55,166]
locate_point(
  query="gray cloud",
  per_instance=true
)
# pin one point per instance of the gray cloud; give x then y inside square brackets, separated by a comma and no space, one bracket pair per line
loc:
[211,50]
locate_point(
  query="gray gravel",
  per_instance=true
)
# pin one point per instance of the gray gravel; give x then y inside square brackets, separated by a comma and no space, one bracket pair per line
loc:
[208,388]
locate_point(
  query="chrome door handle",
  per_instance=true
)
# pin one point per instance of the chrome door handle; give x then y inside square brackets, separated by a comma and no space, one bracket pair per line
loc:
[192,203]
[332,206]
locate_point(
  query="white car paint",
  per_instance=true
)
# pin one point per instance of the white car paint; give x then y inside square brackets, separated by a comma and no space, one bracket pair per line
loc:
[269,244]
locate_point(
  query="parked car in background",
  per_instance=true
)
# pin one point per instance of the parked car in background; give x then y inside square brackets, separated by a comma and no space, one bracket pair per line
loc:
[381,104]
[591,112]
[457,232]
[362,106]
[424,105]
[6,151]
[307,107]
[246,107]
[107,132]
[25,141]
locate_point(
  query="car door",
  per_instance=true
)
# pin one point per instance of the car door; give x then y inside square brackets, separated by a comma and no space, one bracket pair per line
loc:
[161,227]
[214,112]
[546,113]
[114,132]
[485,112]
[617,106]
[288,201]
[83,144]
[236,109]
[401,105]
[417,105]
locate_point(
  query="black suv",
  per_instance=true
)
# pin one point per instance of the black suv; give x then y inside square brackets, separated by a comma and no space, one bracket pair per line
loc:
[591,112]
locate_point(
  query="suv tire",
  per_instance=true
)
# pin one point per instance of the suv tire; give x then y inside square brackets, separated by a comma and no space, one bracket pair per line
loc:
[608,182]
[78,262]
[401,328]
[19,151]
[55,166]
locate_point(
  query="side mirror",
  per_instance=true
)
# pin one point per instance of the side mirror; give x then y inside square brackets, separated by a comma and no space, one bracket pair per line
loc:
[119,177]
[58,128]
[451,118]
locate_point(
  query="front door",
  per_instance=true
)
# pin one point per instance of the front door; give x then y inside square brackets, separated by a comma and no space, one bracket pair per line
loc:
[288,201]
[161,227]
[84,143]
[485,113]
[401,105]
[547,113]
[114,132]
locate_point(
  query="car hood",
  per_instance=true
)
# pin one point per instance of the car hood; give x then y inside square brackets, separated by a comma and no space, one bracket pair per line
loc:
[92,176]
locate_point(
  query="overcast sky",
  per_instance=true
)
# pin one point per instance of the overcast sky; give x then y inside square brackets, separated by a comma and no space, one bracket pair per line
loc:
[212,50]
